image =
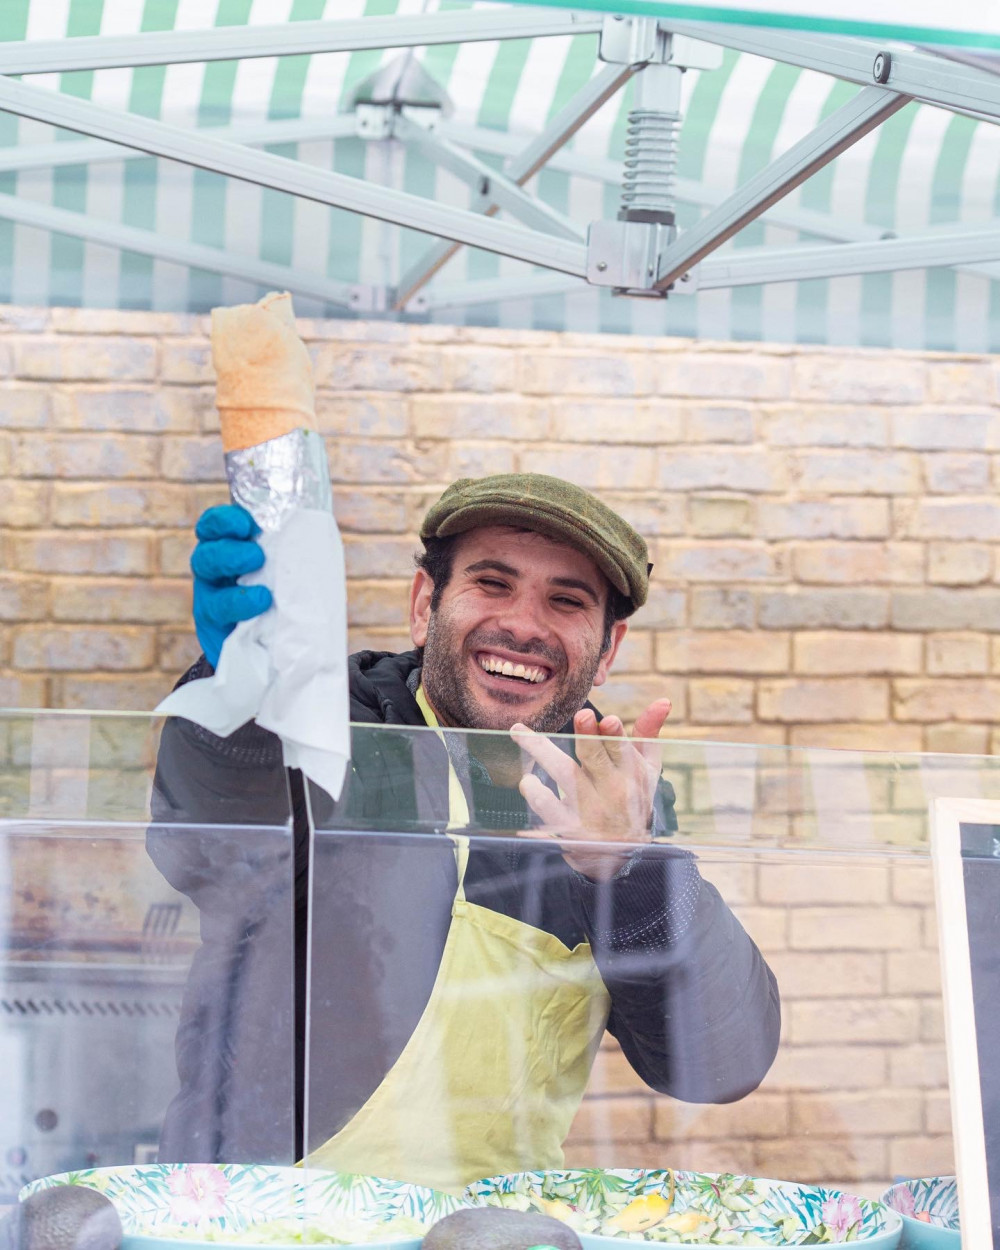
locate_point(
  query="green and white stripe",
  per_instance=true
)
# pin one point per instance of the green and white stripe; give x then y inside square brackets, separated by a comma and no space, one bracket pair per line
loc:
[924,167]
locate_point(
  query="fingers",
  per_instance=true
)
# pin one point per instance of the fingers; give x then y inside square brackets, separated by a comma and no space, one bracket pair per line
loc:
[227,520]
[546,806]
[649,722]
[224,559]
[228,605]
[561,767]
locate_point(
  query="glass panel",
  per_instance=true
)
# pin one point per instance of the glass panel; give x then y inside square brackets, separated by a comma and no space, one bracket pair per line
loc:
[712,957]
[146,947]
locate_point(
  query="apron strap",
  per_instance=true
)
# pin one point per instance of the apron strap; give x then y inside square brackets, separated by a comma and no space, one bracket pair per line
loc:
[461,863]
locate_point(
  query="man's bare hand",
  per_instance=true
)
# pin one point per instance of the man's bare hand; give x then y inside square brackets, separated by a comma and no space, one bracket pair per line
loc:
[605,798]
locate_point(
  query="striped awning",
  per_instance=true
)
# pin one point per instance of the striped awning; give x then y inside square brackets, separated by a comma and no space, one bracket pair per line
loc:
[924,167]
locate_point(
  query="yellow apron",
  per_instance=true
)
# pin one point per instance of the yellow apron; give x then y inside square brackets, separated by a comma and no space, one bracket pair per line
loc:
[492,1075]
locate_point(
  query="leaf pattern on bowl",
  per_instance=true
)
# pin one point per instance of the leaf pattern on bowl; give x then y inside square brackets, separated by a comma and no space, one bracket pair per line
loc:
[705,1208]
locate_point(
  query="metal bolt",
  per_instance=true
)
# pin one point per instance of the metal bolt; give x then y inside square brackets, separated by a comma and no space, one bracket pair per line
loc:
[882,67]
[650,270]
[601,266]
[484,185]
[685,277]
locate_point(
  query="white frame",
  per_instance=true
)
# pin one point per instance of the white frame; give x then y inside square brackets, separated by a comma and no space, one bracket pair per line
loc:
[947,817]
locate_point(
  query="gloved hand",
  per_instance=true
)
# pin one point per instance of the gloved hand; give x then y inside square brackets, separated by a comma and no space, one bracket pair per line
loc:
[225,550]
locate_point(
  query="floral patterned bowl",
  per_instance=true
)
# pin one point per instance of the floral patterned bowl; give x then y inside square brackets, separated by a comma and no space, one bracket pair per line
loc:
[669,1208]
[929,1208]
[197,1206]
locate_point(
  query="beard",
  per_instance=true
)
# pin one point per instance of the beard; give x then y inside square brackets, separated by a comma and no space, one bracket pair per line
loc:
[445,678]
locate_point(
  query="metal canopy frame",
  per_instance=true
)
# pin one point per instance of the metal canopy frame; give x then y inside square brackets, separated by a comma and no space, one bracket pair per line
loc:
[639,253]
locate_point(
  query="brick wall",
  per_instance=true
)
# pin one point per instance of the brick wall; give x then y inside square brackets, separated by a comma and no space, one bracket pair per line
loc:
[823,523]
[824,529]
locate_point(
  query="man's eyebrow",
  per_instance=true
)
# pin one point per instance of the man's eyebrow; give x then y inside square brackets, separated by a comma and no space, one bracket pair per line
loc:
[566,583]
[481,566]
[573,583]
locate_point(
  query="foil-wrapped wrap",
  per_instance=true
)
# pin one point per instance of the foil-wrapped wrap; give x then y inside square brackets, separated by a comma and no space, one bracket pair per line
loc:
[275,478]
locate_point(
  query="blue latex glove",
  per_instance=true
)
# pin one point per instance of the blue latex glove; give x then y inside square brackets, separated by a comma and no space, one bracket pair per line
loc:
[225,550]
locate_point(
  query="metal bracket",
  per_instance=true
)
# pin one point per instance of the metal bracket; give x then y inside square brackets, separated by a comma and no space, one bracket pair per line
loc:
[367,298]
[374,121]
[641,40]
[625,255]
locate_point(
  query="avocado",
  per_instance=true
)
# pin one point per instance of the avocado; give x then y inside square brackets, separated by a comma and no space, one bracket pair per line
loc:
[498,1228]
[65,1217]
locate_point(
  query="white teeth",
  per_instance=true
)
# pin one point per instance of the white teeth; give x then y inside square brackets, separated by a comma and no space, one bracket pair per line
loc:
[492,664]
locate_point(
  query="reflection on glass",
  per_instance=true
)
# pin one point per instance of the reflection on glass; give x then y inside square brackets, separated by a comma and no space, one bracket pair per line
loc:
[738,975]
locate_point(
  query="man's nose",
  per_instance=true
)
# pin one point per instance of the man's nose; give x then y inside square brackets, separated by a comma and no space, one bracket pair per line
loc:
[523,617]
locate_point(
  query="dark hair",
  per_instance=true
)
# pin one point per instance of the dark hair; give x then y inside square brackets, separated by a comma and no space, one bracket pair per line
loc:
[437,560]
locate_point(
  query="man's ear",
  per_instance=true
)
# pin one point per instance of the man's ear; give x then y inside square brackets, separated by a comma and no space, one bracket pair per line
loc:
[608,658]
[421,593]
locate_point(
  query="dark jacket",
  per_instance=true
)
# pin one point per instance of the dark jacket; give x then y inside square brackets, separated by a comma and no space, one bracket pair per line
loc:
[693,1004]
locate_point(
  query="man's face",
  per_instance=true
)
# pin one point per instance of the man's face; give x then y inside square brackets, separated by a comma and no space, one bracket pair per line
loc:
[517,635]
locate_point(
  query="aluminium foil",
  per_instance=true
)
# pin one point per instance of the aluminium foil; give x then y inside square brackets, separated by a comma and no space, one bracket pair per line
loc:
[280,476]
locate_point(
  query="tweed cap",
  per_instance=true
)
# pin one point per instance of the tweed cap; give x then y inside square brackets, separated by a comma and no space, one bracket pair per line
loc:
[551,507]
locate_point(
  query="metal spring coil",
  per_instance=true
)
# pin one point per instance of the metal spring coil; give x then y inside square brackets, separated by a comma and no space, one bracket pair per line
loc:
[651,143]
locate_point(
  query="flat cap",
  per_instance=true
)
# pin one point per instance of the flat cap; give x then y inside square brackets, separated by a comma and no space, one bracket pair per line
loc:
[549,506]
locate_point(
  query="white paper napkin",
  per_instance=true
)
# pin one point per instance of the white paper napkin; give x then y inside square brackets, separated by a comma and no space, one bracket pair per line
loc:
[287,669]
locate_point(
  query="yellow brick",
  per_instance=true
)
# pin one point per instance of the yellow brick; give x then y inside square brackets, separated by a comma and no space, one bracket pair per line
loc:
[894,1020]
[614,421]
[858,563]
[480,459]
[854,928]
[706,1156]
[24,505]
[766,925]
[82,649]
[846,652]
[613,1074]
[177,651]
[714,560]
[950,699]
[826,1160]
[958,739]
[735,880]
[833,699]
[937,1112]
[758,1115]
[721,700]
[956,655]
[852,884]
[613,1155]
[871,737]
[720,516]
[959,564]
[480,416]
[922,1156]
[628,467]
[868,1114]
[48,551]
[721,651]
[121,600]
[378,603]
[620,1119]
[121,504]
[635,655]
[136,692]
[924,1065]
[764,735]
[626,696]
[829,1067]
[23,598]
[913,882]
[932,1021]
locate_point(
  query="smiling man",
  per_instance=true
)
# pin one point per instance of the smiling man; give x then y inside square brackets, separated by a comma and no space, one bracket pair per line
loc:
[460,984]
